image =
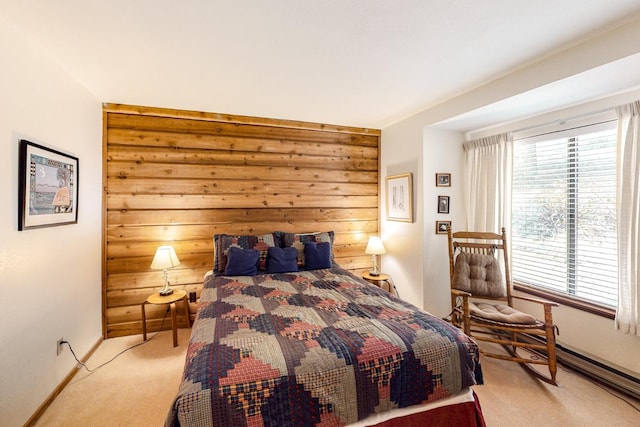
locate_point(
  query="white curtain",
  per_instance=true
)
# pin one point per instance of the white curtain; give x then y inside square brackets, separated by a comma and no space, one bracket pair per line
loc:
[488,175]
[628,218]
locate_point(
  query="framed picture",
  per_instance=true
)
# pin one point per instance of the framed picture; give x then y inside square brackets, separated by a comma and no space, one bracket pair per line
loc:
[443,180]
[48,187]
[441,226]
[443,204]
[400,197]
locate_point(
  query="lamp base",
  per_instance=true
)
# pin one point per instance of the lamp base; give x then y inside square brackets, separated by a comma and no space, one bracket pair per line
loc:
[374,273]
[165,292]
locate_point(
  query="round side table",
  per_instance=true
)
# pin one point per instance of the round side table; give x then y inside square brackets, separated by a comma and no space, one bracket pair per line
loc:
[379,280]
[156,298]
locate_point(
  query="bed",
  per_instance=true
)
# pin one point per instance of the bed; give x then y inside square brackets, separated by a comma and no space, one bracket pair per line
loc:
[295,340]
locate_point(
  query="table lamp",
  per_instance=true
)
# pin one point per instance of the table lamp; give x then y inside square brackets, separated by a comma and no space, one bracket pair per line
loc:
[164,259]
[375,247]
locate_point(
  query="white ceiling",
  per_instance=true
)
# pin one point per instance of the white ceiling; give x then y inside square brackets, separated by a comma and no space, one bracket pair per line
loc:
[363,63]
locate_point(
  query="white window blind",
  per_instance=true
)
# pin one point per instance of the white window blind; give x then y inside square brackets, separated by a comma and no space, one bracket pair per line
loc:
[563,213]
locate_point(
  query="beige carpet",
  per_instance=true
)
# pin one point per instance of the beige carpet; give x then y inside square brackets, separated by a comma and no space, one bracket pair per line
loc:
[138,388]
[511,397]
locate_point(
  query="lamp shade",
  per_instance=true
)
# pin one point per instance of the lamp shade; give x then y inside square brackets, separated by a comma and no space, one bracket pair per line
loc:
[375,246]
[165,257]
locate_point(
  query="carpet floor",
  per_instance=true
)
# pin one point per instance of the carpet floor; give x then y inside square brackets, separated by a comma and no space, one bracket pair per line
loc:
[138,387]
[511,397]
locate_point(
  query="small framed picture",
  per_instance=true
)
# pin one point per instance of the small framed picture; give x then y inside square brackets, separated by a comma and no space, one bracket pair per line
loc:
[441,226]
[443,180]
[443,204]
[400,197]
[48,187]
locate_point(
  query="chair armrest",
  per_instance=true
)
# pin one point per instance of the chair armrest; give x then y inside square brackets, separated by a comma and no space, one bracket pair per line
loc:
[536,300]
[460,293]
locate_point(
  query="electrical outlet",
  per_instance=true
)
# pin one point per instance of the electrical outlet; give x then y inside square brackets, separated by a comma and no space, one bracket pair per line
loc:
[59,346]
[192,297]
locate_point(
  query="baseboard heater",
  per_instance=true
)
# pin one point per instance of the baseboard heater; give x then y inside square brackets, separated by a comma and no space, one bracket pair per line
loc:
[598,371]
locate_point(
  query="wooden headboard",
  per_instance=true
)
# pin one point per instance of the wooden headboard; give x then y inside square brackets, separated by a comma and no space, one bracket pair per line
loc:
[179,177]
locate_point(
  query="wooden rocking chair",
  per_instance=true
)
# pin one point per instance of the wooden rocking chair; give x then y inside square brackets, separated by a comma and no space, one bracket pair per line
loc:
[477,262]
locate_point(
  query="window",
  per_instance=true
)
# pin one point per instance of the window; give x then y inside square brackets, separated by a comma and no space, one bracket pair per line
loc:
[564,213]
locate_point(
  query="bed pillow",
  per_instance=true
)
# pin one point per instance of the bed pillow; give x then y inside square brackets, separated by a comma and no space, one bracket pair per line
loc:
[282,260]
[317,255]
[242,262]
[222,243]
[297,240]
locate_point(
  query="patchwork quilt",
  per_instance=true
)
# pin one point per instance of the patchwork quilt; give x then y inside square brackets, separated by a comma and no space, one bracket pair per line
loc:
[313,348]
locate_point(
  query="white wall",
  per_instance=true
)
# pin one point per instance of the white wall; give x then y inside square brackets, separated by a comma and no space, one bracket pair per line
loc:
[442,154]
[401,152]
[50,278]
[417,256]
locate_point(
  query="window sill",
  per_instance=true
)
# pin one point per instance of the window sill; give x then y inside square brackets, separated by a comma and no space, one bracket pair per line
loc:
[565,300]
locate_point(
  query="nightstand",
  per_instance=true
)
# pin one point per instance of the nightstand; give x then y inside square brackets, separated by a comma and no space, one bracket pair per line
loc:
[379,280]
[177,295]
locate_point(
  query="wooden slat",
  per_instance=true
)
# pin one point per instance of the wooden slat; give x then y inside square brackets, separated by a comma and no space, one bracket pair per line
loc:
[146,279]
[241,215]
[213,157]
[133,313]
[198,201]
[234,118]
[147,248]
[132,169]
[205,127]
[141,138]
[353,263]
[122,329]
[223,187]
[134,264]
[170,233]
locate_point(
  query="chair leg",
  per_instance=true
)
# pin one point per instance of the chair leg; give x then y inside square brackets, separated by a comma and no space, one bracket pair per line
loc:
[455,320]
[466,315]
[174,324]
[144,323]
[551,343]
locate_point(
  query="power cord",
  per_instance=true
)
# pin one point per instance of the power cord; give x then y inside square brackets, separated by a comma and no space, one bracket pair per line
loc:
[119,354]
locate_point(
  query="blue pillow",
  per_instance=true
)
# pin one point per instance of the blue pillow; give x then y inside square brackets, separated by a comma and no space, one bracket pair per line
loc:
[317,255]
[242,262]
[282,260]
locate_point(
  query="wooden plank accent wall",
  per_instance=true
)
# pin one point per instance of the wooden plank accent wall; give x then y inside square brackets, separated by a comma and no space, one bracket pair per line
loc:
[179,177]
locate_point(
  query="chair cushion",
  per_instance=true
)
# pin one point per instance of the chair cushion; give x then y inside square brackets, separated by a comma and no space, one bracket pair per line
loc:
[479,275]
[501,313]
